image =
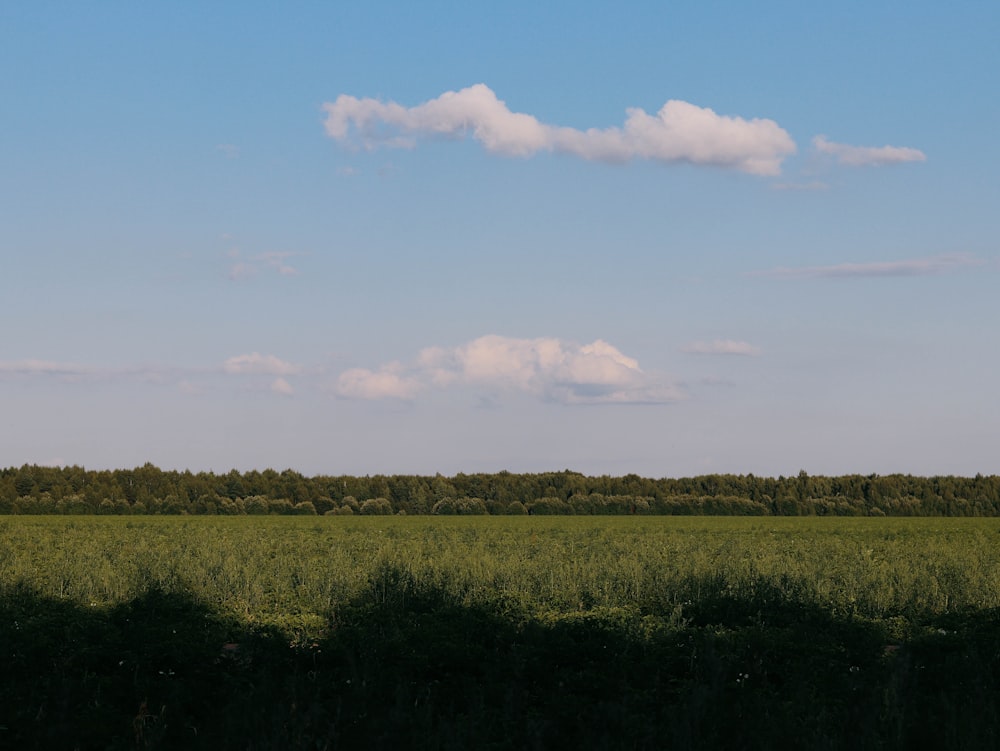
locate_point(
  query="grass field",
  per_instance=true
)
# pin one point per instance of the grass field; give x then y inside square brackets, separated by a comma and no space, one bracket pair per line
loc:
[499,632]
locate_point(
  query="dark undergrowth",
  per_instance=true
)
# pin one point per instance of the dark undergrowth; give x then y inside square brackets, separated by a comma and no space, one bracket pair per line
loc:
[407,666]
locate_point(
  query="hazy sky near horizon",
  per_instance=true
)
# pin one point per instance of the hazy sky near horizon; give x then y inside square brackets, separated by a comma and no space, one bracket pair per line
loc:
[385,237]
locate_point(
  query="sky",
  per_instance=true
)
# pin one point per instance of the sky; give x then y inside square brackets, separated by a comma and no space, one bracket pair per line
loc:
[374,237]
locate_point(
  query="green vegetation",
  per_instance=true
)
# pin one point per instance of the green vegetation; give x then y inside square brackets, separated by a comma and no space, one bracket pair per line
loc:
[148,490]
[486,632]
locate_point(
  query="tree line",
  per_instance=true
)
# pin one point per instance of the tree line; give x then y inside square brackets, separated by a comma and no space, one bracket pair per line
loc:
[33,489]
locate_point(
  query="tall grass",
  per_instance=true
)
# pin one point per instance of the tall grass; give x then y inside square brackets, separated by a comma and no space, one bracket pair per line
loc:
[499,632]
[298,571]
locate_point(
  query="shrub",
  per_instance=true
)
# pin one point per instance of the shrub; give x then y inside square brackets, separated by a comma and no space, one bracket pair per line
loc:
[352,502]
[255,504]
[279,506]
[465,506]
[376,506]
[549,505]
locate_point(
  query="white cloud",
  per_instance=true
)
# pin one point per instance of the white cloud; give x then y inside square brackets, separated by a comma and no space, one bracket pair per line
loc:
[678,132]
[908,267]
[546,367]
[258,364]
[283,387]
[536,365]
[722,347]
[386,383]
[229,150]
[862,156]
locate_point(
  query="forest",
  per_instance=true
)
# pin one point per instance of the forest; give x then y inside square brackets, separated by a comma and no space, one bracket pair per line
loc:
[34,489]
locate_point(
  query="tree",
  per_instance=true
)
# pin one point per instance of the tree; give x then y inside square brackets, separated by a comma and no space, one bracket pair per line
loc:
[24,481]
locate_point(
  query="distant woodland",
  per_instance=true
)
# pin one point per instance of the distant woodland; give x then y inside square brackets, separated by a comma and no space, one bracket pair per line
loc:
[33,489]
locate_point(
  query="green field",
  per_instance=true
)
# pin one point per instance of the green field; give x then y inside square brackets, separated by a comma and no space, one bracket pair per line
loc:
[499,632]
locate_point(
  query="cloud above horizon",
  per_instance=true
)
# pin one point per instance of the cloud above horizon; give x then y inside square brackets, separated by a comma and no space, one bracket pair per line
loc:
[908,267]
[546,367]
[867,156]
[678,132]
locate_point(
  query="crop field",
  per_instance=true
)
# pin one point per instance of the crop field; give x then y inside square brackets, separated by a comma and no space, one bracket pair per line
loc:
[499,632]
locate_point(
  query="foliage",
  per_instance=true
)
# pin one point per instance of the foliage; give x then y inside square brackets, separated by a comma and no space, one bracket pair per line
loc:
[35,490]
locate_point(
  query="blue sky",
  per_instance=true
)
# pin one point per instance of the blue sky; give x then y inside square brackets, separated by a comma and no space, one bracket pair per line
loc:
[386,237]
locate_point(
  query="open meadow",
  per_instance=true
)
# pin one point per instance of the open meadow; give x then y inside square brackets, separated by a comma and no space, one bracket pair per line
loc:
[499,632]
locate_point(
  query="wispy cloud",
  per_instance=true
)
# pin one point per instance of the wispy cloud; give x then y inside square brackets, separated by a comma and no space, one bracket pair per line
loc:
[258,364]
[187,380]
[188,388]
[722,347]
[907,267]
[278,262]
[678,132]
[68,371]
[44,367]
[283,387]
[548,368]
[230,151]
[865,156]
[244,268]
[240,270]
